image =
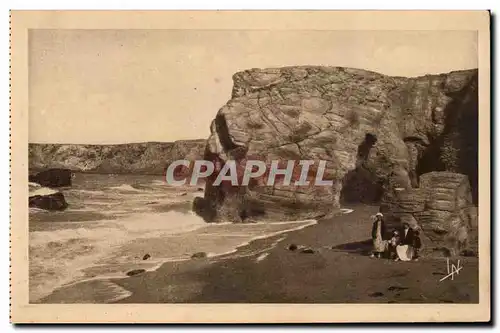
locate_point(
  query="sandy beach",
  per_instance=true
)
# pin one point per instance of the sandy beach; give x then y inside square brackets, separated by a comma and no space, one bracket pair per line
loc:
[276,167]
[266,271]
[113,222]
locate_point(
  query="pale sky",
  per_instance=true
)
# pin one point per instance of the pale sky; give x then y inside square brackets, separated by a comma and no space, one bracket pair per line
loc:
[117,86]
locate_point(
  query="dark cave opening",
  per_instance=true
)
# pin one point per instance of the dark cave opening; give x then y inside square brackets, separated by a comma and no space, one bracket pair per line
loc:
[361,185]
[365,147]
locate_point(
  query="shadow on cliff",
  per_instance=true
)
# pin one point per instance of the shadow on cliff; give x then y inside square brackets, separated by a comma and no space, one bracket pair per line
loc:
[361,185]
[456,149]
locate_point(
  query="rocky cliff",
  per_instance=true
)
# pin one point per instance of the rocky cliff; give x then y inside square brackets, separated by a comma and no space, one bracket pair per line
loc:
[145,158]
[376,132]
[441,208]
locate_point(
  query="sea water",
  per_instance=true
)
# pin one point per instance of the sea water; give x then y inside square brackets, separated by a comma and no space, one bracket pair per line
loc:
[113,221]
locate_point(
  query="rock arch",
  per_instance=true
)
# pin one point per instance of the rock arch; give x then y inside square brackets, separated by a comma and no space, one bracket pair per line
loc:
[308,112]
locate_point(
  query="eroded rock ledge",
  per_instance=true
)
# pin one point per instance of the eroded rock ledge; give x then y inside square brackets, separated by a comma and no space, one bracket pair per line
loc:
[139,158]
[376,133]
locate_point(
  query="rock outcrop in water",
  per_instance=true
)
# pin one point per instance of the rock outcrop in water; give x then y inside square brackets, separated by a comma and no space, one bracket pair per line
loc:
[142,158]
[53,178]
[46,198]
[376,133]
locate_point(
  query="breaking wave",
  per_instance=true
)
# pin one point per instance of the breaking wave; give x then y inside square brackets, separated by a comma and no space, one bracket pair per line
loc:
[111,225]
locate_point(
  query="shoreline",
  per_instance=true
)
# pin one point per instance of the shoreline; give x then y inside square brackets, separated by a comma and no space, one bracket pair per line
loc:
[339,271]
[57,295]
[265,271]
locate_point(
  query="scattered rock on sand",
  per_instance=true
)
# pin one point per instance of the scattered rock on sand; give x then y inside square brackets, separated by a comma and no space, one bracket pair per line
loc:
[146,256]
[396,288]
[469,253]
[303,249]
[376,294]
[199,255]
[183,194]
[136,272]
[200,189]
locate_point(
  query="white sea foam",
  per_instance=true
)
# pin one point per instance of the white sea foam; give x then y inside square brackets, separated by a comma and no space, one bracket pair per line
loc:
[34,210]
[126,187]
[171,222]
[113,291]
[71,209]
[346,210]
[83,247]
[262,257]
[42,191]
[158,182]
[91,192]
[91,250]
[114,212]
[115,247]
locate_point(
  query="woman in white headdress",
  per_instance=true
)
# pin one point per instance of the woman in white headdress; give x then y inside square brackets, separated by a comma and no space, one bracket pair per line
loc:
[378,235]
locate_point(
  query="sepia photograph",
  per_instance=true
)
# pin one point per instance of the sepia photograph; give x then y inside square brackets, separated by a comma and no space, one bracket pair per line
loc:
[223,164]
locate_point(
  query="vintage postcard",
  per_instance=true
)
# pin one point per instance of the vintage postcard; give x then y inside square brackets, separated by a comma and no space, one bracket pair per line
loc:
[250,167]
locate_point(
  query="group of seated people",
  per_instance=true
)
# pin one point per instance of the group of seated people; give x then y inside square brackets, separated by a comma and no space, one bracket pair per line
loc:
[404,244]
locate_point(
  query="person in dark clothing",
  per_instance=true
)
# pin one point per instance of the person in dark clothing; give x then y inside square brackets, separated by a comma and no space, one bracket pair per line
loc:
[407,235]
[417,244]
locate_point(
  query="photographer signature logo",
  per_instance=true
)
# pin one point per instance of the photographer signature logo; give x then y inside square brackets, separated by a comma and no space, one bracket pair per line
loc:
[452,270]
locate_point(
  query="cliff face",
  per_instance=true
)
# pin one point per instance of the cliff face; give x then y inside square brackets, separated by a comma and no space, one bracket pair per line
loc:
[374,131]
[146,158]
[441,208]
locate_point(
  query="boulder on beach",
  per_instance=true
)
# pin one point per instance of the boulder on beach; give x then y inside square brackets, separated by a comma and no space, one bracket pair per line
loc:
[136,272]
[374,132]
[447,191]
[404,200]
[46,198]
[53,177]
[442,208]
[199,255]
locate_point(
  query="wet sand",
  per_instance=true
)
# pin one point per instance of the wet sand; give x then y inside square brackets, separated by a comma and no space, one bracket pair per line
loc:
[338,272]
[266,271]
